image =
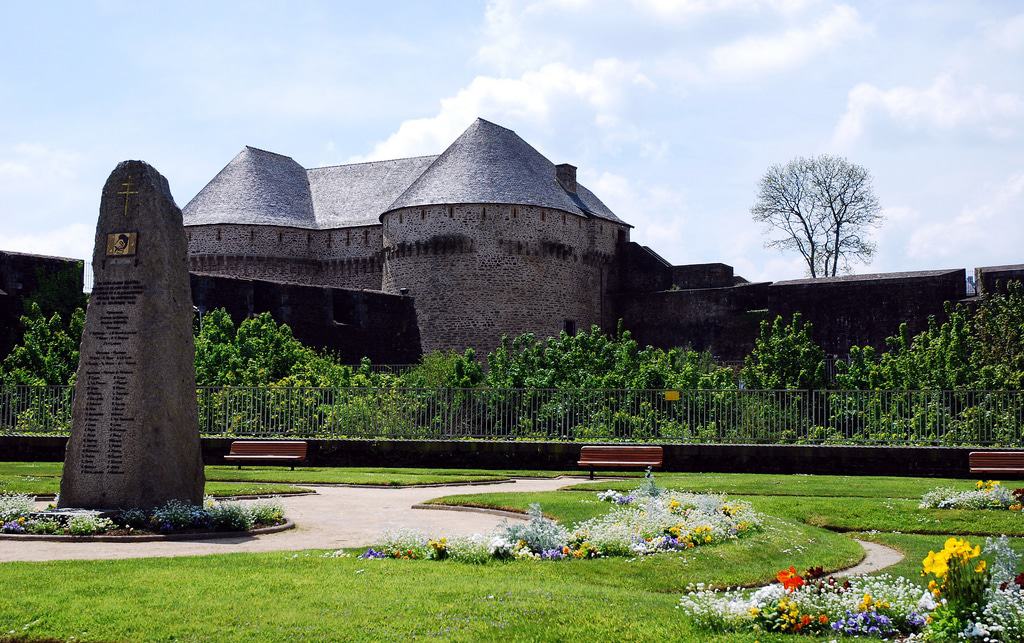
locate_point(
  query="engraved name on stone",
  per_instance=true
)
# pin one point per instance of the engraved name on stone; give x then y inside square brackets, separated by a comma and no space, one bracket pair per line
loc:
[111,367]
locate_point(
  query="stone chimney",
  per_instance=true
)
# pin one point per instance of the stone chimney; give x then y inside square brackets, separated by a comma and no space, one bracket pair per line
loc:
[566,175]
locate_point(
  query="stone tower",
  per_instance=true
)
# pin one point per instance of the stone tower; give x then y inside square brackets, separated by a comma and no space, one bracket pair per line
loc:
[495,239]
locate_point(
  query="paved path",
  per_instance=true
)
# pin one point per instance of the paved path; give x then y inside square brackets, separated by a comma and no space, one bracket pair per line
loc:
[876,557]
[339,517]
[335,517]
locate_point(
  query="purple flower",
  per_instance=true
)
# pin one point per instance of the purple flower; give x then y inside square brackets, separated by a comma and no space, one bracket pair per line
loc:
[373,553]
[552,554]
[13,527]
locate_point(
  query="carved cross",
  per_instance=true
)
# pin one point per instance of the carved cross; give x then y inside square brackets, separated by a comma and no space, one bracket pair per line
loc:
[127,192]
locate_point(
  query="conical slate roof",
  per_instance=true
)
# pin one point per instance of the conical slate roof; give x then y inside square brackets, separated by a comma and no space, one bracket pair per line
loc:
[491,164]
[486,164]
[256,187]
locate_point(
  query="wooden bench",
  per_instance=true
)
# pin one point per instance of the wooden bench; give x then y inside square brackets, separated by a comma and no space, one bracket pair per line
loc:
[624,457]
[997,462]
[267,451]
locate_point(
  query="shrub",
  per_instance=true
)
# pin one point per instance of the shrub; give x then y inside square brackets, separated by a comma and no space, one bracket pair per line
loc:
[176,515]
[266,513]
[230,516]
[132,518]
[785,357]
[14,506]
[538,534]
[404,543]
[989,494]
[44,527]
[88,525]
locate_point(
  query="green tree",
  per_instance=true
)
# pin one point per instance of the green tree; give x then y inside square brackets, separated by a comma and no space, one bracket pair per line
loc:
[594,360]
[48,352]
[998,334]
[445,369]
[785,357]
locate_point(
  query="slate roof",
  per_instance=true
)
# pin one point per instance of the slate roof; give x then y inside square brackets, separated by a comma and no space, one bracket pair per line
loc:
[491,164]
[357,194]
[486,164]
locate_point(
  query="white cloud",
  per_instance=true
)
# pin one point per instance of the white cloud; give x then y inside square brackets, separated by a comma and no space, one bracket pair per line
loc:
[759,54]
[1008,34]
[657,212]
[41,185]
[943,105]
[687,9]
[991,228]
[75,240]
[534,98]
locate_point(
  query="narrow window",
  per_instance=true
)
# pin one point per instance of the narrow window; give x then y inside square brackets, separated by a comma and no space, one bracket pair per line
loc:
[218,234]
[543,215]
[423,214]
[348,237]
[569,326]
[401,217]
[451,211]
[280,237]
[366,237]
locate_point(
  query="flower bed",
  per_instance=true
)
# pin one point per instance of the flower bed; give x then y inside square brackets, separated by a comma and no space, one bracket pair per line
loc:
[988,494]
[648,520]
[974,593]
[18,516]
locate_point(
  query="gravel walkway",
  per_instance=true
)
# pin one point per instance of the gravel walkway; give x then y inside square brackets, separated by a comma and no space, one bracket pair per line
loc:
[339,517]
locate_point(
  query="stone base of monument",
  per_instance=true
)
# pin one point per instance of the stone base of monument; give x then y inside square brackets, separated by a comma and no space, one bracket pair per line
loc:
[130,537]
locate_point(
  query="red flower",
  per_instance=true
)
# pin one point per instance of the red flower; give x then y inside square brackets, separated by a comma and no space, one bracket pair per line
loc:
[789,578]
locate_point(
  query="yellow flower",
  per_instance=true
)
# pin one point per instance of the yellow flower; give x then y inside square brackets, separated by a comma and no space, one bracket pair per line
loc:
[981,567]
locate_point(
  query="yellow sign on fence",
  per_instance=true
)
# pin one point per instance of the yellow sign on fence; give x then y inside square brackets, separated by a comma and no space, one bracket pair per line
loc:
[672,396]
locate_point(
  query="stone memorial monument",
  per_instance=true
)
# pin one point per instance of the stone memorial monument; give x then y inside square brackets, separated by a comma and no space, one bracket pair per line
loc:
[135,438]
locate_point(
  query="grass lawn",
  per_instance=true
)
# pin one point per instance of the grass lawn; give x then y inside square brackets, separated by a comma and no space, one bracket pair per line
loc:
[751,484]
[286,596]
[283,596]
[44,477]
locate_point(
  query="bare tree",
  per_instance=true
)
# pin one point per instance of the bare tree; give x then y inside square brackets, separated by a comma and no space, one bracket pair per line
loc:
[824,208]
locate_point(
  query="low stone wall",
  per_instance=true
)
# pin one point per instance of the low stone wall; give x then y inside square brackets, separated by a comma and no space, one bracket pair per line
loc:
[725,458]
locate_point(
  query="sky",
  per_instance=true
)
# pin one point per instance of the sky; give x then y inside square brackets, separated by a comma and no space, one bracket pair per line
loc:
[671,109]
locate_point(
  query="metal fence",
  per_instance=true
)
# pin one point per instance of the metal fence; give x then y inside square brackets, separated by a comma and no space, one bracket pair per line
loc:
[721,416]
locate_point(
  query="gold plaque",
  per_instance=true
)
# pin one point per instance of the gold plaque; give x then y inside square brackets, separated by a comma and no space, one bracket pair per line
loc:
[121,244]
[672,396]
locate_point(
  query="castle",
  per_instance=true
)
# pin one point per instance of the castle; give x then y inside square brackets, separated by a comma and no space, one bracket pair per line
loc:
[489,237]
[390,259]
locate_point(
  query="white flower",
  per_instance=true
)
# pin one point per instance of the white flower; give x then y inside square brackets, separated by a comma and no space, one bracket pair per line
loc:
[976,630]
[927,603]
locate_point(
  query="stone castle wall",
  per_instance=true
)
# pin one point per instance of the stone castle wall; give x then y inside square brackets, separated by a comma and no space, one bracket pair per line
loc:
[480,271]
[351,324]
[345,258]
